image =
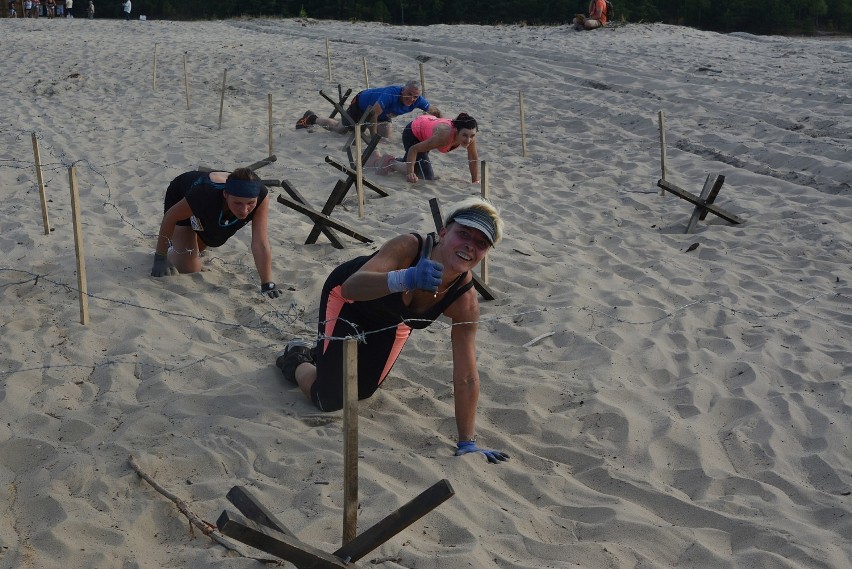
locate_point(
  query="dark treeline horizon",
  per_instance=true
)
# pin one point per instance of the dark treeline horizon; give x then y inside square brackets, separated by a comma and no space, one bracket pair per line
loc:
[754,16]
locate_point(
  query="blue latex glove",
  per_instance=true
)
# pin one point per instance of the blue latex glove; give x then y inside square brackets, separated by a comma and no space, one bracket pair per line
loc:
[270,290]
[426,274]
[162,267]
[493,456]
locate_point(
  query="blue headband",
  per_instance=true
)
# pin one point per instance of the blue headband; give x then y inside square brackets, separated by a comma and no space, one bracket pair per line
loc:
[242,188]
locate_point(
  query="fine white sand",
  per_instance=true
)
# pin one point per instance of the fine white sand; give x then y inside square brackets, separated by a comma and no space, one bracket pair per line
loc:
[681,407]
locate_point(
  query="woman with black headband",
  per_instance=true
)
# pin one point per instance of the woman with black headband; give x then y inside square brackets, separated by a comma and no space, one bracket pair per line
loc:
[406,284]
[204,209]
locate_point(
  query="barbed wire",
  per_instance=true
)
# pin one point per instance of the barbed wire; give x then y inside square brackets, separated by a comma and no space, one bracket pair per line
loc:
[294,313]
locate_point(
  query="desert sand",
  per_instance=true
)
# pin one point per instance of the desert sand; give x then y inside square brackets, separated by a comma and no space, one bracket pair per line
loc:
[664,404]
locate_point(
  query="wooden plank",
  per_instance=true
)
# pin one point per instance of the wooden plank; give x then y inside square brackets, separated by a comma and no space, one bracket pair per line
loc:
[251,508]
[336,196]
[323,219]
[699,209]
[278,544]
[693,199]
[720,179]
[261,163]
[329,233]
[397,521]
[341,100]
[438,218]
[353,175]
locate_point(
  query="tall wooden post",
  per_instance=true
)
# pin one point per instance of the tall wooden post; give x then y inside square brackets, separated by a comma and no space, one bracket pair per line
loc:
[662,117]
[328,57]
[422,81]
[350,439]
[523,125]
[269,106]
[483,179]
[78,246]
[366,76]
[222,100]
[359,169]
[154,73]
[40,178]
[185,81]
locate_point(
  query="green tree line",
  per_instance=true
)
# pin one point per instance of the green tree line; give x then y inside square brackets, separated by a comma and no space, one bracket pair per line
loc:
[756,16]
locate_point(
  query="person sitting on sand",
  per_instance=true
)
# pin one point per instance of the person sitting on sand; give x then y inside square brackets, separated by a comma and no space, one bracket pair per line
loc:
[406,284]
[427,133]
[384,103]
[204,210]
[597,16]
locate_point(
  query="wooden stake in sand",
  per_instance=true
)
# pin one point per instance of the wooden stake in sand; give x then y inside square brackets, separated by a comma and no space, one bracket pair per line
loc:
[483,175]
[350,439]
[185,81]
[78,245]
[154,73]
[662,150]
[523,125]
[422,82]
[222,100]
[269,106]
[328,58]
[359,168]
[40,177]
[366,76]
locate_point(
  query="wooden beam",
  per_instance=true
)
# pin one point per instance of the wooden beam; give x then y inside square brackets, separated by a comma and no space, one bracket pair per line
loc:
[693,199]
[251,508]
[323,219]
[261,163]
[712,183]
[397,521]
[329,233]
[334,198]
[278,544]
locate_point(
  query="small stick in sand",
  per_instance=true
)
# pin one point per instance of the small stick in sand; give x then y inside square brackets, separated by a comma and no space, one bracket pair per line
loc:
[483,175]
[269,105]
[206,528]
[422,81]
[154,73]
[366,76]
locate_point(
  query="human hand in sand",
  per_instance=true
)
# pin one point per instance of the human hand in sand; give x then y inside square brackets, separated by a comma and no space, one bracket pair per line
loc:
[162,267]
[493,456]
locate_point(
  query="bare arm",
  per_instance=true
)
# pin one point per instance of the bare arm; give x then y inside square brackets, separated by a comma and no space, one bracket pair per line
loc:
[435,111]
[473,161]
[260,248]
[371,280]
[177,212]
[464,313]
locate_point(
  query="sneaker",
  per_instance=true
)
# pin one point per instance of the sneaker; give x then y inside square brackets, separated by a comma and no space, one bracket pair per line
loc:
[308,119]
[296,352]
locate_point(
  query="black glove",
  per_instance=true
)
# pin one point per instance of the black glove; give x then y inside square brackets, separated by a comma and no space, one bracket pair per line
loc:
[162,267]
[270,290]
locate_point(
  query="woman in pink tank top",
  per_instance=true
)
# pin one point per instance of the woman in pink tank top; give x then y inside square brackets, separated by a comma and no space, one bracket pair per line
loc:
[427,133]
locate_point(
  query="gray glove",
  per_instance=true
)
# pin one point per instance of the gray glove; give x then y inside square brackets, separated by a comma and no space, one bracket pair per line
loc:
[162,267]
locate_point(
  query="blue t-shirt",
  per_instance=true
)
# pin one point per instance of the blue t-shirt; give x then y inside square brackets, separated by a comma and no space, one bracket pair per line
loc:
[390,98]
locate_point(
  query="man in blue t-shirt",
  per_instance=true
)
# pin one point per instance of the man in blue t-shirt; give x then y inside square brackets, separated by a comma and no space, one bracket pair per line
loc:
[383,104]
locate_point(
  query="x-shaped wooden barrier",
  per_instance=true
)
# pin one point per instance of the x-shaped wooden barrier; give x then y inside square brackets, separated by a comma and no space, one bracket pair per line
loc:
[438,218]
[344,115]
[262,530]
[704,202]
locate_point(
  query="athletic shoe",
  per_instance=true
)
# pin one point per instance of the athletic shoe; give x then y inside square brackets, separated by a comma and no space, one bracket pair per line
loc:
[307,120]
[296,352]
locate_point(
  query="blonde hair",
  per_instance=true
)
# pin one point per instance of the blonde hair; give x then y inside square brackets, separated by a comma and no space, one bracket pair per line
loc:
[484,206]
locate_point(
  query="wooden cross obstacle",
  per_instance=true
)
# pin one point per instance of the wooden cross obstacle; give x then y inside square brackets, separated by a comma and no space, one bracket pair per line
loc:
[478,283]
[704,202]
[323,222]
[262,530]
